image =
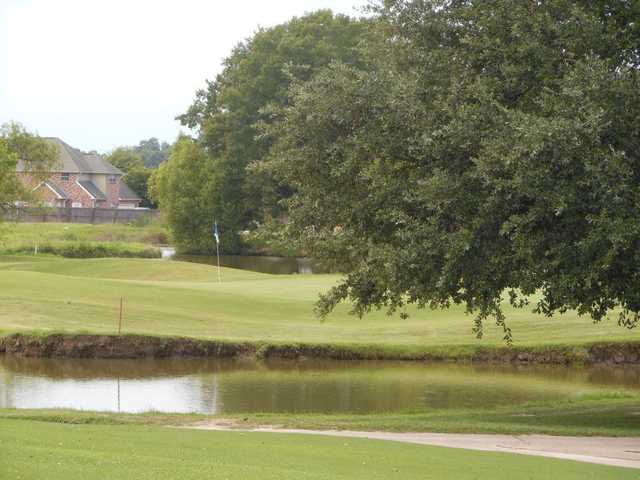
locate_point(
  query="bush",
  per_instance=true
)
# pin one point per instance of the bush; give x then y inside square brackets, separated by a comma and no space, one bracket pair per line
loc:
[89,250]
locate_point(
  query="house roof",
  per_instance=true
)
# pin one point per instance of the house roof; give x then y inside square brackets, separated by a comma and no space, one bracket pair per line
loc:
[91,188]
[127,194]
[72,160]
[57,189]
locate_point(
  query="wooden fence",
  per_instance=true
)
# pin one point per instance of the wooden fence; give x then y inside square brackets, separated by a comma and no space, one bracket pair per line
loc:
[78,215]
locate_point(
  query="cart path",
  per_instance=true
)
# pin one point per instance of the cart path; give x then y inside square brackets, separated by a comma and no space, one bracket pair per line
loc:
[613,451]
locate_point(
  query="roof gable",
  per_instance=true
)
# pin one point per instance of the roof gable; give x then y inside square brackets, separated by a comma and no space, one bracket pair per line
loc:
[72,160]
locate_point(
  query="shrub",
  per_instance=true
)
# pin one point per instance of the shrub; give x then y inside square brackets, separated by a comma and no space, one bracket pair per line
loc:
[89,250]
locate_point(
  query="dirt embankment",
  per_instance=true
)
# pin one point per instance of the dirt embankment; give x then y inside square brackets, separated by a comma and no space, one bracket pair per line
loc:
[137,346]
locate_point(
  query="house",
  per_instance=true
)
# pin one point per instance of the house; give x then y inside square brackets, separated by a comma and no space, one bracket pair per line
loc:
[82,180]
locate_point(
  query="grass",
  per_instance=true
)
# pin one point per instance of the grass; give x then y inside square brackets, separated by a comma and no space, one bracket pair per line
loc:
[153,233]
[596,416]
[34,449]
[602,417]
[83,241]
[50,294]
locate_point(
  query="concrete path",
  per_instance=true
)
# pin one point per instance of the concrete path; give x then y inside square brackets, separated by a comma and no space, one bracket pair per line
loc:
[614,451]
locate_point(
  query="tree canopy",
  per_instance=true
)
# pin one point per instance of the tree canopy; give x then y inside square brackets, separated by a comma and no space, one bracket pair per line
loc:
[227,115]
[36,155]
[183,186]
[153,152]
[136,174]
[483,147]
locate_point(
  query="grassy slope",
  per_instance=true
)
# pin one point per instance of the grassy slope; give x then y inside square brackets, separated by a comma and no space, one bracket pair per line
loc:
[606,416]
[33,450]
[174,298]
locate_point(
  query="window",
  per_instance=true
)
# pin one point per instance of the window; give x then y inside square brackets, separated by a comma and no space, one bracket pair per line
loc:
[113,179]
[64,177]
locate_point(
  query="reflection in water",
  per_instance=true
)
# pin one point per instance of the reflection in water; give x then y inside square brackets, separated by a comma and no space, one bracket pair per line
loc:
[228,386]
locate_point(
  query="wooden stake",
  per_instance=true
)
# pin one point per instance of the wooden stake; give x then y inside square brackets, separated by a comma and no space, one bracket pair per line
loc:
[120,319]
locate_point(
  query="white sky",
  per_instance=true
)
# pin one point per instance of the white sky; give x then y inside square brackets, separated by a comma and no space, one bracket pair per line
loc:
[104,73]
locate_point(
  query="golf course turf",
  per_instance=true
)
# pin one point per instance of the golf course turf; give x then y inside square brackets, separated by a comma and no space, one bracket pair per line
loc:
[44,295]
[34,450]
[163,298]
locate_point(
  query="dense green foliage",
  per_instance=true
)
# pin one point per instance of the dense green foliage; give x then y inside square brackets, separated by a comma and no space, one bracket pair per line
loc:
[153,152]
[184,189]
[256,78]
[486,146]
[136,174]
[17,144]
[58,451]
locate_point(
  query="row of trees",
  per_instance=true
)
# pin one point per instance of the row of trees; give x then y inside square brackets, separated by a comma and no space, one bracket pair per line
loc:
[212,176]
[438,152]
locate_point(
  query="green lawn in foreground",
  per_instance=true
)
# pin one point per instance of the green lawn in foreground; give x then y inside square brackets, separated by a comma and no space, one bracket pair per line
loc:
[36,450]
[185,299]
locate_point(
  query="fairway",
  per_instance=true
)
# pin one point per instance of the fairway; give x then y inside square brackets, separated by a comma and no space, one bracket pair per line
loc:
[34,450]
[46,293]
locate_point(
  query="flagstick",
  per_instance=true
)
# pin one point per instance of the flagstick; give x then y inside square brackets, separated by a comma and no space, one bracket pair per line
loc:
[218,255]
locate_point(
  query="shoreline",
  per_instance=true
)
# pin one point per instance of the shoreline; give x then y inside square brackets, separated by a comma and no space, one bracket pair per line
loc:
[132,346]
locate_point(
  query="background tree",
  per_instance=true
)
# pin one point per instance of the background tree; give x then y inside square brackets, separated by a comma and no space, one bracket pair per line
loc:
[125,158]
[178,187]
[136,175]
[37,156]
[226,115]
[488,146]
[153,152]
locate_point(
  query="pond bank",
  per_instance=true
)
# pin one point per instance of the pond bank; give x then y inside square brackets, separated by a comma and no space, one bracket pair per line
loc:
[139,346]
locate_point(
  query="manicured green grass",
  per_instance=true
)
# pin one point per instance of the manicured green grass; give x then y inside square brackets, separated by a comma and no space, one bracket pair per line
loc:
[185,299]
[35,450]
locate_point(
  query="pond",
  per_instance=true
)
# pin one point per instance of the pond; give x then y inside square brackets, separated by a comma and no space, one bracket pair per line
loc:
[272,265]
[234,386]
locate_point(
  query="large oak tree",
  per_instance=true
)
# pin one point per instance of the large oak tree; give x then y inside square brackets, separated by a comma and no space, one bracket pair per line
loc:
[488,146]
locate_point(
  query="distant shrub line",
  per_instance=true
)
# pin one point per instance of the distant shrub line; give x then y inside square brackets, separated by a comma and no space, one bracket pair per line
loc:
[71,249]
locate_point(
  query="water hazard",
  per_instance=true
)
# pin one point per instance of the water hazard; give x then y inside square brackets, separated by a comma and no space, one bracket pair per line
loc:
[236,386]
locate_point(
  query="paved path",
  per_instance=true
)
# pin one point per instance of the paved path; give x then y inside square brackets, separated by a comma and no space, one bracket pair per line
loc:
[615,451]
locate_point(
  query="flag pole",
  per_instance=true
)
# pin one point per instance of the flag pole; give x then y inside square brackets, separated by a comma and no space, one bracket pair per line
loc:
[217,237]
[218,255]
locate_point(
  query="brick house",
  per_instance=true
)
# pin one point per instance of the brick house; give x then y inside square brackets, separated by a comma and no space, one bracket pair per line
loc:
[83,180]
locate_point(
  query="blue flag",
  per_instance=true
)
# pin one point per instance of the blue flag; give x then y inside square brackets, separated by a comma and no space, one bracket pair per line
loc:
[215,232]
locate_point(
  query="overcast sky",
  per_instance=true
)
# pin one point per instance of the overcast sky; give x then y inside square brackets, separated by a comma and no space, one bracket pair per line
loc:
[104,73]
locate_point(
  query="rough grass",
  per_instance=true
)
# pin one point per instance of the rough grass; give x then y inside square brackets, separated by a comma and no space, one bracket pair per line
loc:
[83,241]
[33,450]
[184,299]
[73,249]
[23,235]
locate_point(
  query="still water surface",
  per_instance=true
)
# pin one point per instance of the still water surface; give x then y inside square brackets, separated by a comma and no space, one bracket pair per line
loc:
[271,265]
[235,386]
